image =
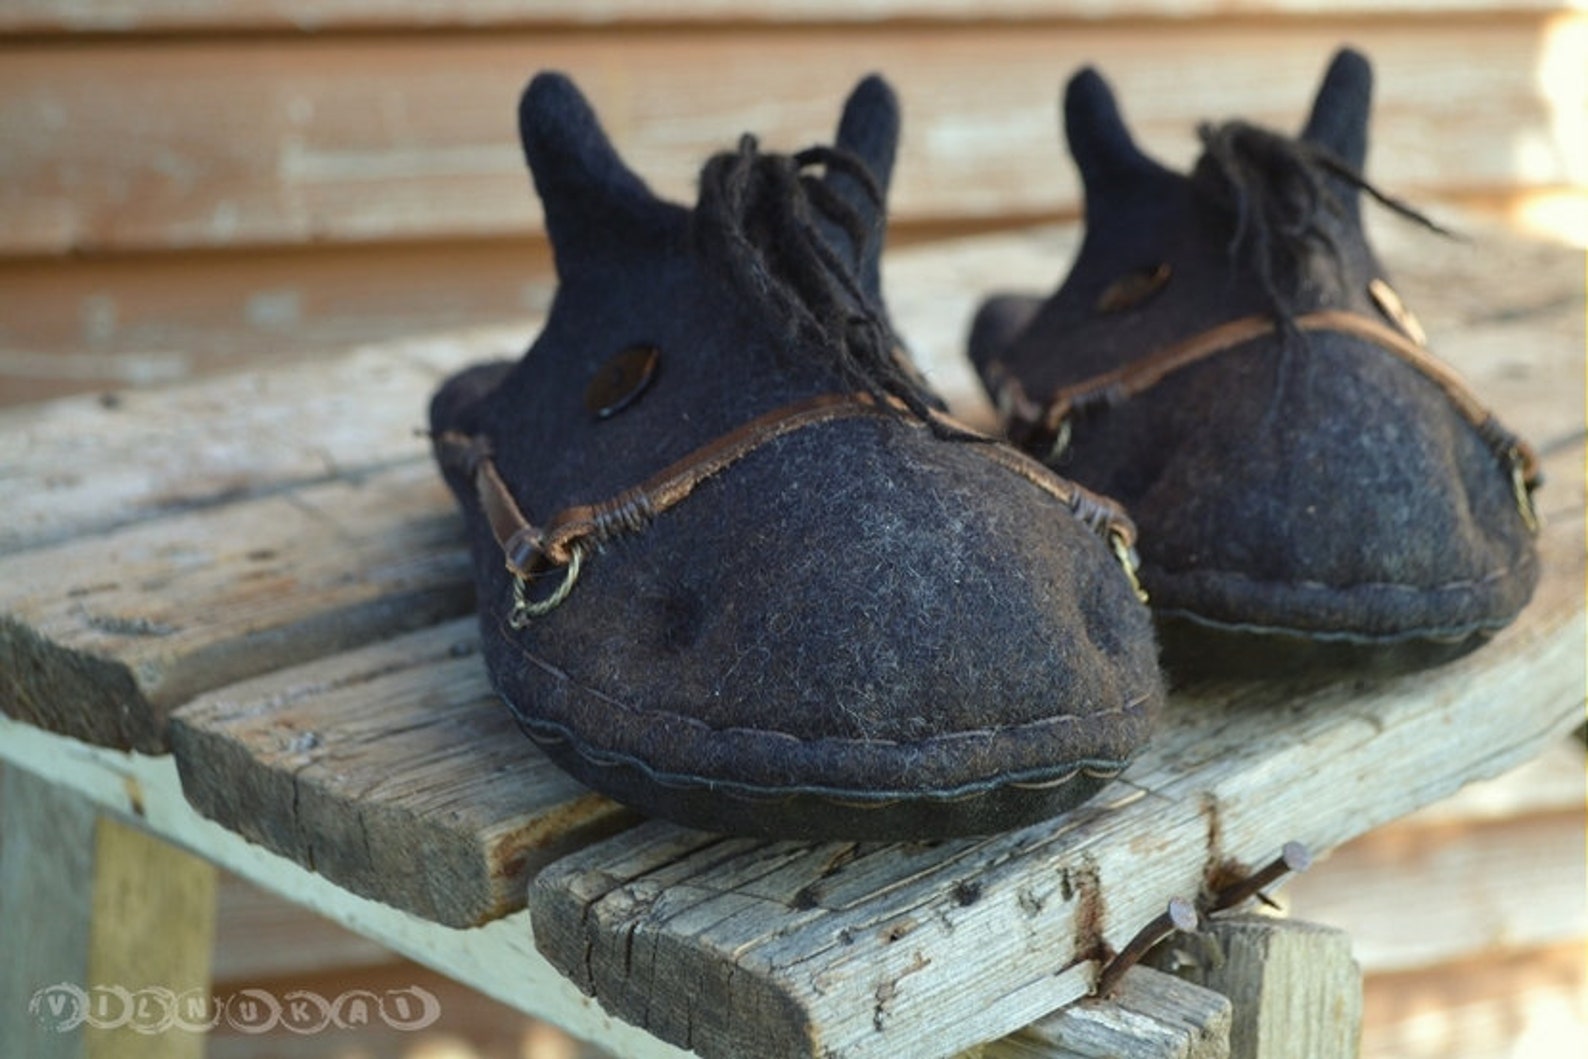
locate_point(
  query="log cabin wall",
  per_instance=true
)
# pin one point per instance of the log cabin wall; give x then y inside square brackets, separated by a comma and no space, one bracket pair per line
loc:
[189,185]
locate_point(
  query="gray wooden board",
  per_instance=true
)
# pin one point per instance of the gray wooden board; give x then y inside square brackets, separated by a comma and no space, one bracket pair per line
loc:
[91,464]
[102,636]
[1152,1015]
[394,771]
[733,946]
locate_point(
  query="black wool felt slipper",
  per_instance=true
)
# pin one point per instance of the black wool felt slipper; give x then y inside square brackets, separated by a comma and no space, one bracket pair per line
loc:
[1228,360]
[734,565]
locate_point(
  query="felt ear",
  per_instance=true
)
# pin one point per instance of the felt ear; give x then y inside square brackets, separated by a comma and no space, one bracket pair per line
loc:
[1107,156]
[1338,122]
[588,194]
[869,129]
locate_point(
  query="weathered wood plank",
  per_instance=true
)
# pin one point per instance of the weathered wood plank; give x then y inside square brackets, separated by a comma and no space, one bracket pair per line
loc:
[1442,884]
[102,636]
[394,771]
[89,465]
[1554,782]
[1295,992]
[120,147]
[143,16]
[1153,1016]
[745,946]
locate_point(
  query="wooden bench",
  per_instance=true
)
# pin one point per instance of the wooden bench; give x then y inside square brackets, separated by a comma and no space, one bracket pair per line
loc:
[234,614]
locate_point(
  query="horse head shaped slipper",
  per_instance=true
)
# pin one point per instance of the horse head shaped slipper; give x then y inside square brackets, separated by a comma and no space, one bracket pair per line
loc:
[1227,359]
[734,565]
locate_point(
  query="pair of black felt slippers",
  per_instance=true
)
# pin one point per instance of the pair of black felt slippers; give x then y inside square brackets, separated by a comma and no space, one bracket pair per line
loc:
[737,567]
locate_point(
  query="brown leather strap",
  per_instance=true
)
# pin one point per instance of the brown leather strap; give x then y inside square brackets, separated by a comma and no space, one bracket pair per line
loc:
[1030,422]
[528,548]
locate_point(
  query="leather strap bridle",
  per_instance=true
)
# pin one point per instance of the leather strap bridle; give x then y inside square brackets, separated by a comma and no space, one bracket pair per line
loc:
[530,550]
[1038,427]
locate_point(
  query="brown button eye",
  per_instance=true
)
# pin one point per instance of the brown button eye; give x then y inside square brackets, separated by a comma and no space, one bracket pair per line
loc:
[621,380]
[1133,288]
[1389,303]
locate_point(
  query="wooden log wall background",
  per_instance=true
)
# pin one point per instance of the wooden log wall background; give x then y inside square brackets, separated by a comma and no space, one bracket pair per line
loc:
[186,185]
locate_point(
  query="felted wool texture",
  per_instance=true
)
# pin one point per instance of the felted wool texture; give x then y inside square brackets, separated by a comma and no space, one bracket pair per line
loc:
[1313,485]
[861,629]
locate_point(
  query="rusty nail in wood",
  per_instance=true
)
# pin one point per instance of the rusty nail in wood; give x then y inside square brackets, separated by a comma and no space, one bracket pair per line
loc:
[1180,915]
[1293,857]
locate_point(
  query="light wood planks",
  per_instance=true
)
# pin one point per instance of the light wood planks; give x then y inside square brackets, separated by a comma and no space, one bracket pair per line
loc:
[141,16]
[80,324]
[123,147]
[394,771]
[959,942]
[102,636]
[91,465]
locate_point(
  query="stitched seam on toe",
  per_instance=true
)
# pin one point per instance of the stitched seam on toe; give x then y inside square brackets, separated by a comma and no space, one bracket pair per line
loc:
[1135,705]
[1321,586]
[1094,768]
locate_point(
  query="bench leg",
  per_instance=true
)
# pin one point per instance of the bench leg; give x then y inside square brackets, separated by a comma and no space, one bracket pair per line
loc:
[97,921]
[1295,990]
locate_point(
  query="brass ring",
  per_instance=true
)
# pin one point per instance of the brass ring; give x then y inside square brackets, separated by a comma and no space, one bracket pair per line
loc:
[525,608]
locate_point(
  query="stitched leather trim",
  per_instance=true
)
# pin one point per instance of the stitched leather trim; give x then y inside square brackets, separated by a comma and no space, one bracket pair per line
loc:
[528,548]
[1046,426]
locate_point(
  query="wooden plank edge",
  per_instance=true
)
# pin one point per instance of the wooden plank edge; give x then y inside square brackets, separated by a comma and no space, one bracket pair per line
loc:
[61,689]
[288,760]
[129,654]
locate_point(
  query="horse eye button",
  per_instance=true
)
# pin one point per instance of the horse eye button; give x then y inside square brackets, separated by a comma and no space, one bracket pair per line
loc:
[621,381]
[1132,289]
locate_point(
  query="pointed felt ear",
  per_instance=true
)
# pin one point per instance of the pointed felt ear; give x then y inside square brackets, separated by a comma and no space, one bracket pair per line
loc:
[1109,160]
[869,128]
[588,194]
[1338,122]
